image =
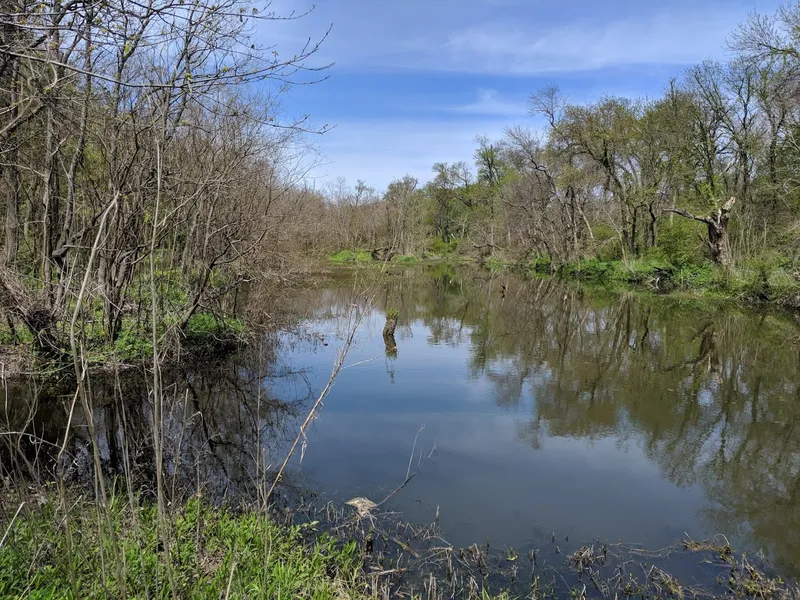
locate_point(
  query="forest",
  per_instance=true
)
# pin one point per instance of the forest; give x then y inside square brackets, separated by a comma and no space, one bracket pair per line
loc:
[151,165]
[695,188]
[156,196]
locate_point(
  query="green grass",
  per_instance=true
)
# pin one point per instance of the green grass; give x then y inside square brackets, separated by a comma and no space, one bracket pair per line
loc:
[754,283]
[404,259]
[211,549]
[348,256]
[208,329]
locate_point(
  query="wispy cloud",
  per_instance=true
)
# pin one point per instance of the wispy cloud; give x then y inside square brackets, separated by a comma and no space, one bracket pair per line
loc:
[490,102]
[528,49]
[416,80]
[512,37]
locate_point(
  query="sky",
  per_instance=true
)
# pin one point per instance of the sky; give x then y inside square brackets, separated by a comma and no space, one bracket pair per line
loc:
[413,82]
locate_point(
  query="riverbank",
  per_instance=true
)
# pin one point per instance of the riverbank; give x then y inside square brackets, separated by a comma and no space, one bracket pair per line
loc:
[753,285]
[87,551]
[644,365]
[778,287]
[57,548]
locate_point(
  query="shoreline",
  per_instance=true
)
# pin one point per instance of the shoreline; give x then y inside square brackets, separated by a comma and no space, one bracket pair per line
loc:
[701,282]
[327,552]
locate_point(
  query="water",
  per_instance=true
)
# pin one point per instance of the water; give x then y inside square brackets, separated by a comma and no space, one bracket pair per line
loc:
[521,408]
[548,410]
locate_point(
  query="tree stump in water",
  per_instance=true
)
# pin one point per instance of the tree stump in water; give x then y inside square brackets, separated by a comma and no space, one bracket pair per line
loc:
[388,332]
[391,324]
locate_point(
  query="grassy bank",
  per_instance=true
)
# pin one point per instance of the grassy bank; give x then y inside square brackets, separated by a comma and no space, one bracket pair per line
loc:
[52,553]
[345,257]
[205,333]
[750,284]
[761,283]
[199,551]
[124,335]
[196,551]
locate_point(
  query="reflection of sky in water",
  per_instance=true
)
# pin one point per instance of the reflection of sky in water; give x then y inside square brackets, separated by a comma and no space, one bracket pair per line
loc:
[483,474]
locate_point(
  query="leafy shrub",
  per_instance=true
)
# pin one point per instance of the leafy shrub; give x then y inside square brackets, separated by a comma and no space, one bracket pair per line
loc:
[132,346]
[205,329]
[607,242]
[405,259]
[679,243]
[438,246]
[542,264]
[588,270]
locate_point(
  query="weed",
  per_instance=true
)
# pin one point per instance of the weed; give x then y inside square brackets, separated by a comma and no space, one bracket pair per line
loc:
[214,552]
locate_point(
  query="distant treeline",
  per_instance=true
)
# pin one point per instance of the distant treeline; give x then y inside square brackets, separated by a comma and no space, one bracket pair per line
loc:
[708,172]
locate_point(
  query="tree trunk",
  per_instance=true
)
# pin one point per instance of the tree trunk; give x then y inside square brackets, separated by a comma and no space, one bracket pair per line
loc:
[718,242]
[717,223]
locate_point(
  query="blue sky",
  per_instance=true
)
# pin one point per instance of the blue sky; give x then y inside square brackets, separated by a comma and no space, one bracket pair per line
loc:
[415,81]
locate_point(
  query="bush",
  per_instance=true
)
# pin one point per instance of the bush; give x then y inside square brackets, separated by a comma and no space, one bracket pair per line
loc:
[542,264]
[678,241]
[588,270]
[607,242]
[438,246]
[403,259]
[206,329]
[130,346]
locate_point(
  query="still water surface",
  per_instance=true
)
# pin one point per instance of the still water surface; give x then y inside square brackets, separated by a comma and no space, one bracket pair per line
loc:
[531,408]
[550,410]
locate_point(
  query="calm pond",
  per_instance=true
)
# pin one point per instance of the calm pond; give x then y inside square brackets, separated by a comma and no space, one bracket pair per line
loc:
[530,407]
[548,410]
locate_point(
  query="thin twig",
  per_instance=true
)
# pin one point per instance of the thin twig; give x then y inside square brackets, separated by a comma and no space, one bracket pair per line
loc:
[10,525]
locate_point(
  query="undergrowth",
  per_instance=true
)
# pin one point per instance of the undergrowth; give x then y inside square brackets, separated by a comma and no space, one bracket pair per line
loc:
[365,256]
[748,282]
[214,553]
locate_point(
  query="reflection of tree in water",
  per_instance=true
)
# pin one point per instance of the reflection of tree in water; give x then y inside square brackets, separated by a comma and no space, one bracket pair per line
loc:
[711,395]
[223,430]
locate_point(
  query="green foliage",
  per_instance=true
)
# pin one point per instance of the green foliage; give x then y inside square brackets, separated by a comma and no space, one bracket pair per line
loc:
[760,281]
[204,329]
[348,256]
[438,247]
[588,270]
[131,347]
[404,259]
[607,242]
[679,242]
[542,264]
[23,335]
[392,314]
[210,550]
